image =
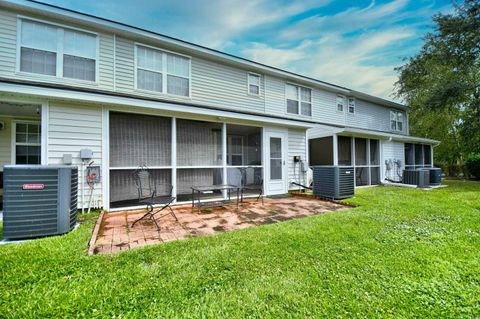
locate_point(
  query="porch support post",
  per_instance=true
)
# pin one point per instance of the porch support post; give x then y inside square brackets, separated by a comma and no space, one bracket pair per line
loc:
[174,158]
[335,149]
[44,134]
[368,163]
[224,156]
[352,159]
[105,158]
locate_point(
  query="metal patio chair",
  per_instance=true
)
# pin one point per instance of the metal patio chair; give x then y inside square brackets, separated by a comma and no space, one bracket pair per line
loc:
[148,194]
[256,187]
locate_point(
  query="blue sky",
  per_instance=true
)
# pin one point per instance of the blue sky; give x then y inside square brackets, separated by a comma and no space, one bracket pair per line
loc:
[350,43]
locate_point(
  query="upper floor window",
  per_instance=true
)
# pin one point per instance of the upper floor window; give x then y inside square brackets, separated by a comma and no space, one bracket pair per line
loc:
[51,50]
[396,121]
[299,100]
[162,72]
[351,105]
[340,103]
[253,84]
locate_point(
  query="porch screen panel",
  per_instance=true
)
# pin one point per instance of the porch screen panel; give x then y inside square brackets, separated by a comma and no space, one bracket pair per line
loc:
[188,178]
[374,154]
[419,155]
[123,188]
[360,151]
[344,150]
[139,140]
[409,155]
[199,143]
[427,155]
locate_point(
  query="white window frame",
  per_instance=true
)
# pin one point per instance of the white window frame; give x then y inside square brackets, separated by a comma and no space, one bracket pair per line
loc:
[60,52]
[15,143]
[164,71]
[351,103]
[299,94]
[249,83]
[394,117]
[337,98]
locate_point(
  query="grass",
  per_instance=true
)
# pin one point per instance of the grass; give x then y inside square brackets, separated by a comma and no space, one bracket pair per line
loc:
[403,253]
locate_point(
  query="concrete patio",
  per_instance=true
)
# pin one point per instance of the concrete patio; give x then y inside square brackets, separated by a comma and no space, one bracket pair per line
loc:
[116,234]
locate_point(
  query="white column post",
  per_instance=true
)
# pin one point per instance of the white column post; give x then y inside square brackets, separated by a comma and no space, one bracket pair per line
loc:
[224,156]
[105,158]
[173,162]
[368,163]
[352,154]
[44,117]
[335,149]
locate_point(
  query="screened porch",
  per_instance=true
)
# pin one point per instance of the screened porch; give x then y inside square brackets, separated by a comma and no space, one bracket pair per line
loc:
[181,153]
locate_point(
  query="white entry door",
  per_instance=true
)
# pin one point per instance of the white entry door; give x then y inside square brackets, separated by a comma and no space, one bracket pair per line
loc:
[276,168]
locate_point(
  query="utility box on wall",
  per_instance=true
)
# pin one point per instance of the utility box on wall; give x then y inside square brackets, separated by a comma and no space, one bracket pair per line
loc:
[39,200]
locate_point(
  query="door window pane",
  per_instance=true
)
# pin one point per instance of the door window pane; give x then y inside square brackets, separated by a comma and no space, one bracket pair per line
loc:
[275,158]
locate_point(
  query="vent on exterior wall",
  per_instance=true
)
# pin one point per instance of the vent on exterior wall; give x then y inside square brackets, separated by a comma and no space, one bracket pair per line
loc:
[336,182]
[39,200]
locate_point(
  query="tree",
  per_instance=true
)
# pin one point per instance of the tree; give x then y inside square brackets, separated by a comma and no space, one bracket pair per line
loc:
[441,84]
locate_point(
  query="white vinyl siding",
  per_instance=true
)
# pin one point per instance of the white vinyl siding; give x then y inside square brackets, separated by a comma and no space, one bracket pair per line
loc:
[72,127]
[297,142]
[391,152]
[57,51]
[162,72]
[5,143]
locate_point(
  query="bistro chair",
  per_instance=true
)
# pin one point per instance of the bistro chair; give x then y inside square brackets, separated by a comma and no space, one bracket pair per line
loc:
[255,187]
[150,194]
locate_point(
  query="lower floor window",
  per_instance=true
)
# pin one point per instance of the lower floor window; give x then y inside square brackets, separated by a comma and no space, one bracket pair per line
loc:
[27,143]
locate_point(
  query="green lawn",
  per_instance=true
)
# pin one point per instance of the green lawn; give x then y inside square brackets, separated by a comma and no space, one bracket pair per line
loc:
[402,253]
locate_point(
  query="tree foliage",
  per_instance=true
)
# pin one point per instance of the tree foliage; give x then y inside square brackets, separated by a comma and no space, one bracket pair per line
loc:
[441,84]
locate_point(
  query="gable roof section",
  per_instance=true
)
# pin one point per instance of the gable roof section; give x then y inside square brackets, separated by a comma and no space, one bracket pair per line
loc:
[113,26]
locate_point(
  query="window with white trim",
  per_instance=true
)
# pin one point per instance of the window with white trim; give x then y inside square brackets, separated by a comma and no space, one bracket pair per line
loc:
[27,143]
[56,51]
[351,105]
[162,72]
[253,84]
[396,121]
[299,100]
[340,103]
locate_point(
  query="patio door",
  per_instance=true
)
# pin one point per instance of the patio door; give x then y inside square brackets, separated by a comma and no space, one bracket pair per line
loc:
[276,172]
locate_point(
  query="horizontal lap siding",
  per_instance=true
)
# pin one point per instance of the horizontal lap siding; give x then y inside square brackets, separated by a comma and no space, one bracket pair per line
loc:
[324,109]
[296,146]
[8,43]
[5,143]
[371,116]
[392,151]
[70,129]
[224,86]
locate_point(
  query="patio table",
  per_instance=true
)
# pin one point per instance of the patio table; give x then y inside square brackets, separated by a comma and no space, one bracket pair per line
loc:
[198,190]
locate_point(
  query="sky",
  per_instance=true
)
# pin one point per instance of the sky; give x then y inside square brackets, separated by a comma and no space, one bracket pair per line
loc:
[356,44]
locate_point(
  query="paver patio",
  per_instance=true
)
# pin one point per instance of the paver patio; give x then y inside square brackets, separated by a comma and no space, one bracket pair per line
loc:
[116,233]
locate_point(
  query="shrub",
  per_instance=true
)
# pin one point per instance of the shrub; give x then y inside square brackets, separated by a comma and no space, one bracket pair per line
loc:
[473,165]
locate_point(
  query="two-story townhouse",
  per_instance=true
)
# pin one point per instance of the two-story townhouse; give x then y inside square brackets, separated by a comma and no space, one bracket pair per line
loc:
[193,115]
